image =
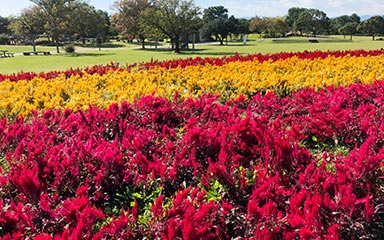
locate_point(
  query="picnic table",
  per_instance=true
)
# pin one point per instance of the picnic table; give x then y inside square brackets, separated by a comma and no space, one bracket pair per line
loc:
[5,53]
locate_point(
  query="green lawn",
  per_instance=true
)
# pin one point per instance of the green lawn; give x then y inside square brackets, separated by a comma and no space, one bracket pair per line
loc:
[130,53]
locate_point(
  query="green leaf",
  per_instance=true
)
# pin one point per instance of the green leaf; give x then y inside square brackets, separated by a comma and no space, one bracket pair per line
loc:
[137,195]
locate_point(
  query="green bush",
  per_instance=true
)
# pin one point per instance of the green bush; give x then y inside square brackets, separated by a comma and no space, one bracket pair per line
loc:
[70,48]
[4,40]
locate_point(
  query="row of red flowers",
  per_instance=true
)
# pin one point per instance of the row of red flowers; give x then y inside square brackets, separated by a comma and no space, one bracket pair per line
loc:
[102,69]
[306,166]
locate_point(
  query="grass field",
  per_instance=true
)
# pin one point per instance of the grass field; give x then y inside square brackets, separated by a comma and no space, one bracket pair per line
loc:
[130,53]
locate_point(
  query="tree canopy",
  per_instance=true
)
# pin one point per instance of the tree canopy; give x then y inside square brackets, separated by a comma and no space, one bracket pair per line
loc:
[55,15]
[372,26]
[129,19]
[173,18]
[217,23]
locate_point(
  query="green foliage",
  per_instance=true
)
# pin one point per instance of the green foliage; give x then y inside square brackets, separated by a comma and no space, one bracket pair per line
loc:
[127,197]
[312,22]
[4,39]
[70,48]
[330,145]
[4,165]
[372,26]
[217,23]
[173,18]
[129,19]
[215,191]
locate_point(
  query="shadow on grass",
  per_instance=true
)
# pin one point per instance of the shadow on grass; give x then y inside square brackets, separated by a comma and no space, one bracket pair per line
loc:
[104,45]
[196,51]
[159,49]
[93,54]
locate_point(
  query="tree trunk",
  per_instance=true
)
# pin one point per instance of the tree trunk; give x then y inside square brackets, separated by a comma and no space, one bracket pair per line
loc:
[221,40]
[172,43]
[142,43]
[350,37]
[373,37]
[177,45]
[57,46]
[34,43]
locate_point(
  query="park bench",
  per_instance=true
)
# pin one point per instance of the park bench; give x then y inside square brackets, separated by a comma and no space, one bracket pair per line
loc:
[36,53]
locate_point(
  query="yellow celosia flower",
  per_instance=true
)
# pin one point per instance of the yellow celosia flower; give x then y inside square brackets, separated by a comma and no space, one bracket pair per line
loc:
[229,80]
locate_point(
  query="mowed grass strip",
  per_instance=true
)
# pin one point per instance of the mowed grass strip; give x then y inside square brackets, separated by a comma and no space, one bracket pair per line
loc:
[132,53]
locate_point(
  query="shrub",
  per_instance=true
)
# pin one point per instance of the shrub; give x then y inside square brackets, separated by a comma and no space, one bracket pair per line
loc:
[4,40]
[70,48]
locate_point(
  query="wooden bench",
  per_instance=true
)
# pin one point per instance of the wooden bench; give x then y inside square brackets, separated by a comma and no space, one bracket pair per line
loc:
[36,53]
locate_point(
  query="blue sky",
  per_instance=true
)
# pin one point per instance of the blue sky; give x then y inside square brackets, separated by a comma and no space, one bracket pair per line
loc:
[243,8]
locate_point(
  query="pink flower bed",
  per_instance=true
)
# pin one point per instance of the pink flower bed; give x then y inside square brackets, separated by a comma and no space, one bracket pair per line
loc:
[307,166]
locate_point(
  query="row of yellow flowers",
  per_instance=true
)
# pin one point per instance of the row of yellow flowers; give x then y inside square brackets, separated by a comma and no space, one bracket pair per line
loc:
[229,80]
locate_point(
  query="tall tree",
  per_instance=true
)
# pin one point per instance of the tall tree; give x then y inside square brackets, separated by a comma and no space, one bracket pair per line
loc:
[272,26]
[29,24]
[257,25]
[372,26]
[4,25]
[173,18]
[129,19]
[217,23]
[312,21]
[346,25]
[85,20]
[293,16]
[55,15]
[338,22]
[349,28]
[241,26]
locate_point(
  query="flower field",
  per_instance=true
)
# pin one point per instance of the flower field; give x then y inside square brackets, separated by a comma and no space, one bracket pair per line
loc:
[282,146]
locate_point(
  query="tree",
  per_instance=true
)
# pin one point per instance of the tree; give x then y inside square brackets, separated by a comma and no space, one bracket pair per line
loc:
[86,21]
[257,25]
[4,24]
[312,21]
[129,19]
[241,27]
[292,17]
[104,27]
[275,26]
[349,28]
[354,18]
[173,18]
[372,26]
[217,23]
[55,15]
[272,26]
[338,22]
[29,23]
[346,25]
